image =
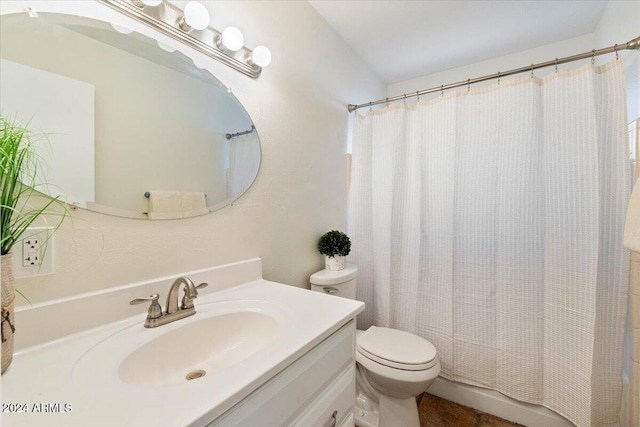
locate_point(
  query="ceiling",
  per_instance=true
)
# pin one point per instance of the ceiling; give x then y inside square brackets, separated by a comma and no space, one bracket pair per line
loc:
[401,40]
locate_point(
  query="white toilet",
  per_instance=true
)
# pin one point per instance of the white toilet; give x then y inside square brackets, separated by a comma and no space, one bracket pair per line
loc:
[393,367]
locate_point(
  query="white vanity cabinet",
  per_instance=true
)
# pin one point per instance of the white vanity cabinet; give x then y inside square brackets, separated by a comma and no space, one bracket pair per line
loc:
[317,390]
[301,370]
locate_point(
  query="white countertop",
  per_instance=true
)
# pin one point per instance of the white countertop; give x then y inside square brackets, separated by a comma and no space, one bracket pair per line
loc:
[56,372]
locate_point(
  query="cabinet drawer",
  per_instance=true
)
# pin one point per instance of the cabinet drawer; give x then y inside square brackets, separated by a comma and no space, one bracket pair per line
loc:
[337,398]
[281,398]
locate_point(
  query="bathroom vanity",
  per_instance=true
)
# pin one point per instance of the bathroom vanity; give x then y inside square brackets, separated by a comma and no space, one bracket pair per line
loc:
[255,353]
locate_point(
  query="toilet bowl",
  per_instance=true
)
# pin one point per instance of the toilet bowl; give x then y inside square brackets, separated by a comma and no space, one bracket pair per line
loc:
[393,366]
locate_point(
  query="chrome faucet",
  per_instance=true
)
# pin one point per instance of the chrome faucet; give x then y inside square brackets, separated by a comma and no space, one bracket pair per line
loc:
[190,293]
[155,315]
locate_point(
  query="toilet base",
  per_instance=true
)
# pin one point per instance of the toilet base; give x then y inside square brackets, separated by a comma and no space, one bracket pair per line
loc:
[366,412]
[388,412]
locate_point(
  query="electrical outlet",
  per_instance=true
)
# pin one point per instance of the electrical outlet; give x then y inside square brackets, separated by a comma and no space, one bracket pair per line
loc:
[31,251]
[33,254]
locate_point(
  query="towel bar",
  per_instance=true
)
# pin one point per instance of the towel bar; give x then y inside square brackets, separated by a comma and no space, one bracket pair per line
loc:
[147,194]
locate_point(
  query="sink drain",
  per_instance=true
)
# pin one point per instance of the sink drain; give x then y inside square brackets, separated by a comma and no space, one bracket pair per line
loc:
[194,375]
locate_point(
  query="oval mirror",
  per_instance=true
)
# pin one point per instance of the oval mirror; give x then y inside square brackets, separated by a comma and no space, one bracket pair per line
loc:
[132,129]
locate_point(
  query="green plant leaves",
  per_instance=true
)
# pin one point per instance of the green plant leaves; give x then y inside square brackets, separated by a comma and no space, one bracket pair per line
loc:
[334,243]
[18,178]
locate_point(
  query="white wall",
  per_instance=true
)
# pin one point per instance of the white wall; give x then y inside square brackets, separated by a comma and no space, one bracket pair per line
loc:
[619,24]
[493,65]
[64,110]
[299,108]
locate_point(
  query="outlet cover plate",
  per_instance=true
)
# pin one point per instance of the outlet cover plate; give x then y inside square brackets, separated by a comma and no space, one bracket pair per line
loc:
[24,254]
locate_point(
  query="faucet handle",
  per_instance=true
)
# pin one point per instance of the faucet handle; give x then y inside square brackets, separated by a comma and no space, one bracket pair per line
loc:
[200,286]
[140,300]
[155,310]
[187,300]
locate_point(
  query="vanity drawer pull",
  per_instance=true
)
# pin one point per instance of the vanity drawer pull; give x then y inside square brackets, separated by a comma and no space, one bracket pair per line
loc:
[330,290]
[334,419]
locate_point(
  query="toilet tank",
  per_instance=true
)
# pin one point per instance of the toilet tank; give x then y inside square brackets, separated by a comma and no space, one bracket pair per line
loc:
[340,283]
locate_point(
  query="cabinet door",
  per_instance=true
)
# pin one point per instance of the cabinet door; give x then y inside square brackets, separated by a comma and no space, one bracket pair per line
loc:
[334,405]
[282,398]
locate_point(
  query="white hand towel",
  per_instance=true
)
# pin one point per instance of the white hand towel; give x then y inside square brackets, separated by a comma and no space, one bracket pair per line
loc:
[193,203]
[165,204]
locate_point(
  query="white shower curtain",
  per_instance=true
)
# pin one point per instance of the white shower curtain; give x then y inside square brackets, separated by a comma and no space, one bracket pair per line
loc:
[244,163]
[490,222]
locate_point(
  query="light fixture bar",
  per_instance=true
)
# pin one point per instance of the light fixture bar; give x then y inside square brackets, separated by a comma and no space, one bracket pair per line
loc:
[175,33]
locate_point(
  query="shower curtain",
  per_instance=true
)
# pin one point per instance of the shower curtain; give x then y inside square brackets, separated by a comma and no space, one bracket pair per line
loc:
[243,164]
[490,222]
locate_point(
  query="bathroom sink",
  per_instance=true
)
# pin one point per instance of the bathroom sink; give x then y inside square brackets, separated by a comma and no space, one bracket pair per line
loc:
[244,348]
[199,348]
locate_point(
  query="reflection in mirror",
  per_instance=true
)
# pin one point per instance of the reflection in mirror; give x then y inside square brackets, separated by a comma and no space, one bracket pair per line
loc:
[125,117]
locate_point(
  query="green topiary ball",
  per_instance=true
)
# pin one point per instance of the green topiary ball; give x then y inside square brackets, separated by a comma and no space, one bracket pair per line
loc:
[334,243]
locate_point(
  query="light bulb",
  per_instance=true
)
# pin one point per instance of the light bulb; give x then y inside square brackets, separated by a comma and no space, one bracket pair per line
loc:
[151,3]
[232,39]
[261,56]
[194,17]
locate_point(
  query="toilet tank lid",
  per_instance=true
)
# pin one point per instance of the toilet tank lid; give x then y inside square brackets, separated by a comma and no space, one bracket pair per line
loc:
[334,277]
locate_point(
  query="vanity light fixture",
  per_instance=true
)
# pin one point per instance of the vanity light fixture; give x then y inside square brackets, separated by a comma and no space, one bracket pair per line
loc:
[261,56]
[230,39]
[194,17]
[179,24]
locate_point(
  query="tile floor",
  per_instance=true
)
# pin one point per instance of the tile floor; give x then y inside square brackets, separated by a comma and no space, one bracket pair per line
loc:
[437,412]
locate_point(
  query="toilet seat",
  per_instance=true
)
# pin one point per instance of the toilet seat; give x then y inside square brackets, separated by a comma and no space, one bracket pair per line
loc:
[396,349]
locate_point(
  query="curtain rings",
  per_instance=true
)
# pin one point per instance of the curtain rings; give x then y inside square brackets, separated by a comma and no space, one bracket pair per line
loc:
[531,70]
[615,49]
[418,95]
[468,85]
[370,109]
[441,90]
[405,99]
[556,65]
[387,99]
[593,56]
[499,77]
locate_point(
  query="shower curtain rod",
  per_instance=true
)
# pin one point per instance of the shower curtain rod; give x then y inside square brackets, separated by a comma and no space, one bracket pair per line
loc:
[233,135]
[630,45]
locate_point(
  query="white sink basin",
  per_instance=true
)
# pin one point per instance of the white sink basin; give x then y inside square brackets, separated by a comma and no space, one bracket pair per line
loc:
[198,348]
[186,352]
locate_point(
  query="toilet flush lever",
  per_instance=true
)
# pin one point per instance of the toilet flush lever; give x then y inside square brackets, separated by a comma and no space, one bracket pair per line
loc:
[330,290]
